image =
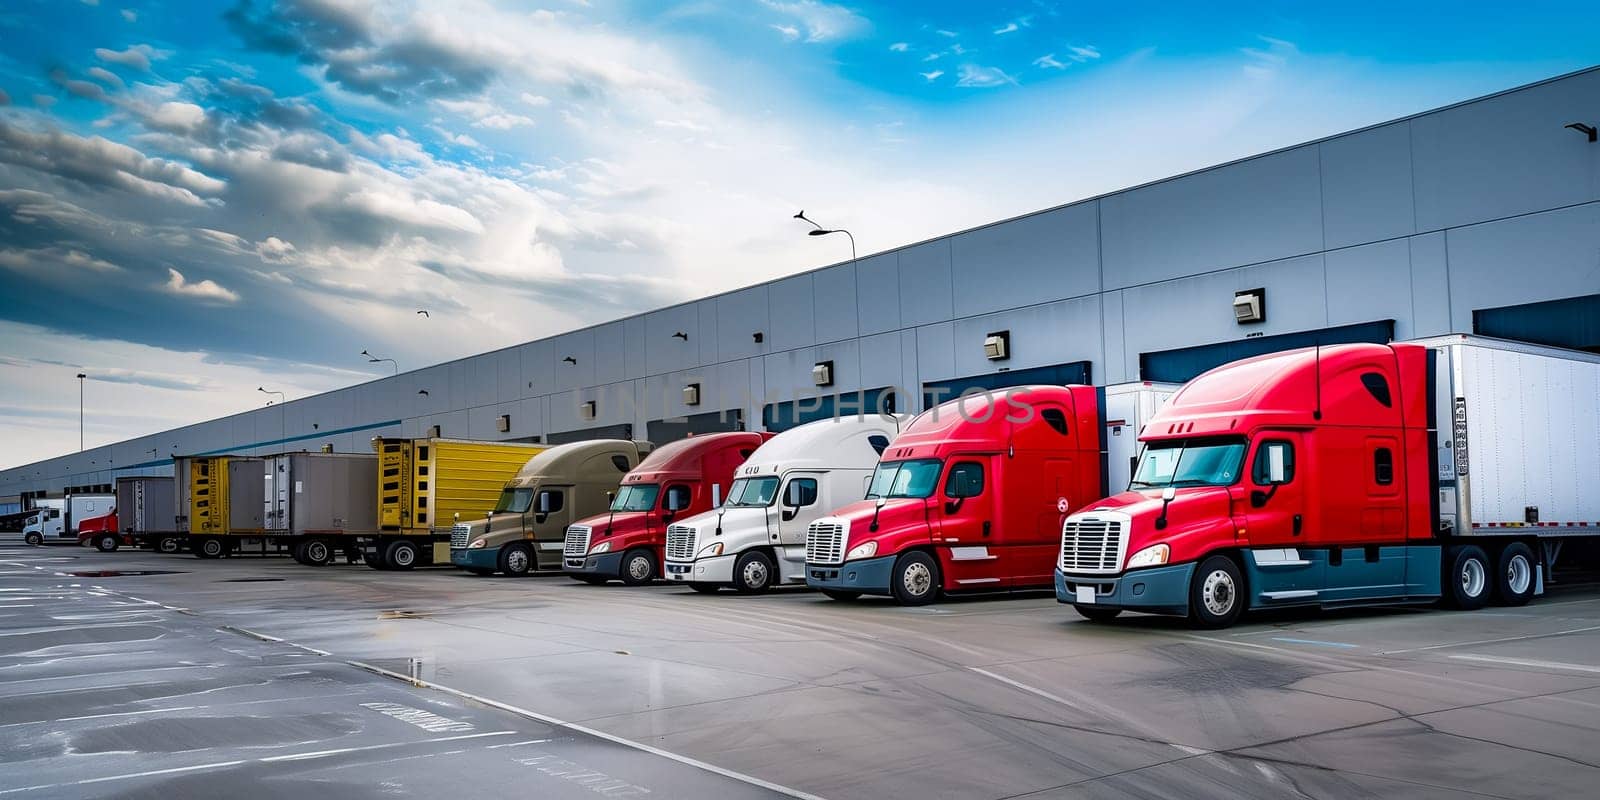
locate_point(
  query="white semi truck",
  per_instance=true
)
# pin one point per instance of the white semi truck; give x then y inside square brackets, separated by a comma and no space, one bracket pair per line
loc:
[57,521]
[757,539]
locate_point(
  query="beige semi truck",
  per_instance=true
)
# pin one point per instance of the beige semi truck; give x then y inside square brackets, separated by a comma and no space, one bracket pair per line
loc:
[526,530]
[426,485]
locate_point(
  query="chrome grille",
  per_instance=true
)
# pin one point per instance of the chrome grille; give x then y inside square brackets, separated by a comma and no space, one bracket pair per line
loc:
[459,534]
[577,540]
[825,541]
[680,543]
[1092,544]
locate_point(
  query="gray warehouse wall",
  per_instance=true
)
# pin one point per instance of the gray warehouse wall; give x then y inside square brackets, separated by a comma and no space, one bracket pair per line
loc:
[1421,221]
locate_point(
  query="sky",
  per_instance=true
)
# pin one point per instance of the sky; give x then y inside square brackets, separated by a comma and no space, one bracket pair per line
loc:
[198,199]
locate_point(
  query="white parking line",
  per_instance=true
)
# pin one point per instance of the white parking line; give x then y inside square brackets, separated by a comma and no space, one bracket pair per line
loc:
[1527,662]
[371,747]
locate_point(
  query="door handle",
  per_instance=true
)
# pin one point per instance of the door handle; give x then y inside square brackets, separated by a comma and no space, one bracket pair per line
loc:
[1297,524]
[986,525]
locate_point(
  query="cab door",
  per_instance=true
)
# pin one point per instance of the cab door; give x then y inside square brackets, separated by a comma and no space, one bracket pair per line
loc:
[976,550]
[1276,516]
[799,503]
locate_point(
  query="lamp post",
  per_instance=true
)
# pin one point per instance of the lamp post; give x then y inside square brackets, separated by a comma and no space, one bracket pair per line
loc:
[283,426]
[818,230]
[81,376]
[372,359]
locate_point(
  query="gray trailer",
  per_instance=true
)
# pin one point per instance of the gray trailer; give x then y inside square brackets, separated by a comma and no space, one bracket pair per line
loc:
[147,511]
[315,504]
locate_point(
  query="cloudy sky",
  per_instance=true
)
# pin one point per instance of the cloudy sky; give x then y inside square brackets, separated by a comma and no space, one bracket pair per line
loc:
[197,198]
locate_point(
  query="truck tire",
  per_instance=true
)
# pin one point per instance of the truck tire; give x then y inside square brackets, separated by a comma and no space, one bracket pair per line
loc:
[297,551]
[318,553]
[1467,577]
[638,567]
[753,573]
[915,580]
[1514,581]
[1097,613]
[374,557]
[400,555]
[169,545]
[841,595]
[516,559]
[34,539]
[209,547]
[106,543]
[706,588]
[1216,593]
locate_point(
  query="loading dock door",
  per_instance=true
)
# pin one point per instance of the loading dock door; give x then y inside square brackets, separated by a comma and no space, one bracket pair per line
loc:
[779,417]
[662,431]
[1573,322]
[620,431]
[936,392]
[1181,365]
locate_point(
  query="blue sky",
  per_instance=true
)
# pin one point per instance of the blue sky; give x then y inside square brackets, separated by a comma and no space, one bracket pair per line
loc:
[197,198]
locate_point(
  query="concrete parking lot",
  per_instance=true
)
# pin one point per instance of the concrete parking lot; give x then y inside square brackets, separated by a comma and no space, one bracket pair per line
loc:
[263,678]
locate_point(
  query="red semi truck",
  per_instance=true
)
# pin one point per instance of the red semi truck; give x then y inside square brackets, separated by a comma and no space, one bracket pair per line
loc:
[1457,468]
[680,479]
[971,494]
[103,533]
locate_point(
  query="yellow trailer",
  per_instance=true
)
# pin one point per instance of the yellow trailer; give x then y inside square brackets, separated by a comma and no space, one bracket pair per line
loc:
[220,497]
[425,485]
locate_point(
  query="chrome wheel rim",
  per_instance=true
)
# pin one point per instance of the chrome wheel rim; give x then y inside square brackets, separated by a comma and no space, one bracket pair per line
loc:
[755,573]
[316,552]
[169,545]
[917,579]
[517,560]
[639,568]
[1519,574]
[1473,579]
[1218,593]
[212,547]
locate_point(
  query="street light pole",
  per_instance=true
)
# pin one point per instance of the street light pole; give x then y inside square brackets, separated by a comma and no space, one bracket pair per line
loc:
[81,376]
[372,359]
[818,230]
[283,426]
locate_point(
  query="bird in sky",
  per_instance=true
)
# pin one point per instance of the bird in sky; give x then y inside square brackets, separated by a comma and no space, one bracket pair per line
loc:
[424,313]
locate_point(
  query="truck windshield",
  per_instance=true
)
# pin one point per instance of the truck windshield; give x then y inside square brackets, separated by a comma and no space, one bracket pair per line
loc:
[1189,462]
[914,478]
[752,492]
[636,497]
[515,501]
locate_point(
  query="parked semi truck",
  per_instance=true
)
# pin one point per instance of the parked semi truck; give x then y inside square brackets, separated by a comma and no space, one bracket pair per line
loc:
[757,538]
[59,521]
[1457,468]
[426,485]
[219,501]
[680,479]
[526,530]
[972,494]
[318,504]
[147,512]
[102,532]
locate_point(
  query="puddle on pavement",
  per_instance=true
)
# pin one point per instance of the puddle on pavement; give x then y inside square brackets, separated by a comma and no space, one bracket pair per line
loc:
[249,580]
[121,573]
[404,614]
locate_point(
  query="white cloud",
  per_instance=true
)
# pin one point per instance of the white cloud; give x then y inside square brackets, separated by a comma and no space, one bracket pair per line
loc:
[1083,53]
[947,34]
[900,47]
[980,77]
[789,32]
[105,76]
[207,290]
[180,116]
[1048,61]
[932,57]
[932,76]
[822,22]
[43,100]
[1009,27]
[136,56]
[682,125]
[130,15]
[24,260]
[503,122]
[274,249]
[1266,62]
[537,101]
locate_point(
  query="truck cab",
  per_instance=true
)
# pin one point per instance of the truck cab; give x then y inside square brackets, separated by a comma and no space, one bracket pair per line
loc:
[526,530]
[676,480]
[970,497]
[61,522]
[757,538]
[44,525]
[103,532]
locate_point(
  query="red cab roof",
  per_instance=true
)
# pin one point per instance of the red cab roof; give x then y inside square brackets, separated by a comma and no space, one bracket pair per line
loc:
[684,458]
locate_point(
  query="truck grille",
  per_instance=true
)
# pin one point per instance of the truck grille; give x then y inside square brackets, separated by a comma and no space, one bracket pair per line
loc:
[1092,544]
[577,540]
[825,541]
[458,536]
[680,543]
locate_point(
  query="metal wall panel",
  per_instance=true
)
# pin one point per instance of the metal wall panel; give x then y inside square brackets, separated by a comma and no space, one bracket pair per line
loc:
[739,315]
[482,380]
[1042,335]
[633,338]
[1430,285]
[1258,210]
[1047,256]
[1523,260]
[791,314]
[880,361]
[1370,282]
[706,345]
[538,366]
[578,345]
[877,294]
[1366,186]
[1199,310]
[663,353]
[833,293]
[1119,365]
[925,283]
[936,355]
[609,361]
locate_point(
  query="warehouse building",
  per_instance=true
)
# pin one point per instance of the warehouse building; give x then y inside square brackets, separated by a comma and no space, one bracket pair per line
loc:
[1482,217]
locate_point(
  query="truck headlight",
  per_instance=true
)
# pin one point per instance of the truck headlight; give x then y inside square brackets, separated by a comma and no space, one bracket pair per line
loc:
[711,550]
[1153,556]
[603,547]
[865,550]
[477,544]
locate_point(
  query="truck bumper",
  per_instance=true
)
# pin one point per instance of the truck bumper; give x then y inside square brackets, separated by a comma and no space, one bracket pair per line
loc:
[1161,590]
[606,564]
[705,570]
[868,576]
[481,558]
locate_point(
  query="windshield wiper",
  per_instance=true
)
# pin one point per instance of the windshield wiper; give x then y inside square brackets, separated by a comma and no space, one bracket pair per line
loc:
[1191,482]
[1145,484]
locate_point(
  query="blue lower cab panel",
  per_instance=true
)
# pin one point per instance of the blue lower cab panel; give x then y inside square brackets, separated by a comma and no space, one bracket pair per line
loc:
[607,564]
[1160,590]
[1340,576]
[868,576]
[481,558]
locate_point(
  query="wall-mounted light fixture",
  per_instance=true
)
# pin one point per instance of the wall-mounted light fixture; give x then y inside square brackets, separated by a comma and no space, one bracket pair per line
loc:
[822,373]
[997,345]
[586,409]
[681,335]
[691,394]
[1250,306]
[433,432]
[1587,130]
[503,424]
[758,336]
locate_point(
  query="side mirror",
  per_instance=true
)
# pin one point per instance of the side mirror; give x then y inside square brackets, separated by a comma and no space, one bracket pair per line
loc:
[677,499]
[1168,494]
[1275,467]
[542,503]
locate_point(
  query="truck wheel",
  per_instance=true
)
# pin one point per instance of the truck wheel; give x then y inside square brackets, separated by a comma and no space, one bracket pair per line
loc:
[841,595]
[318,553]
[1514,582]
[168,545]
[1466,577]
[209,547]
[34,539]
[400,554]
[374,557]
[516,559]
[1097,614]
[297,551]
[915,581]
[1216,593]
[752,573]
[706,588]
[638,568]
[106,544]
